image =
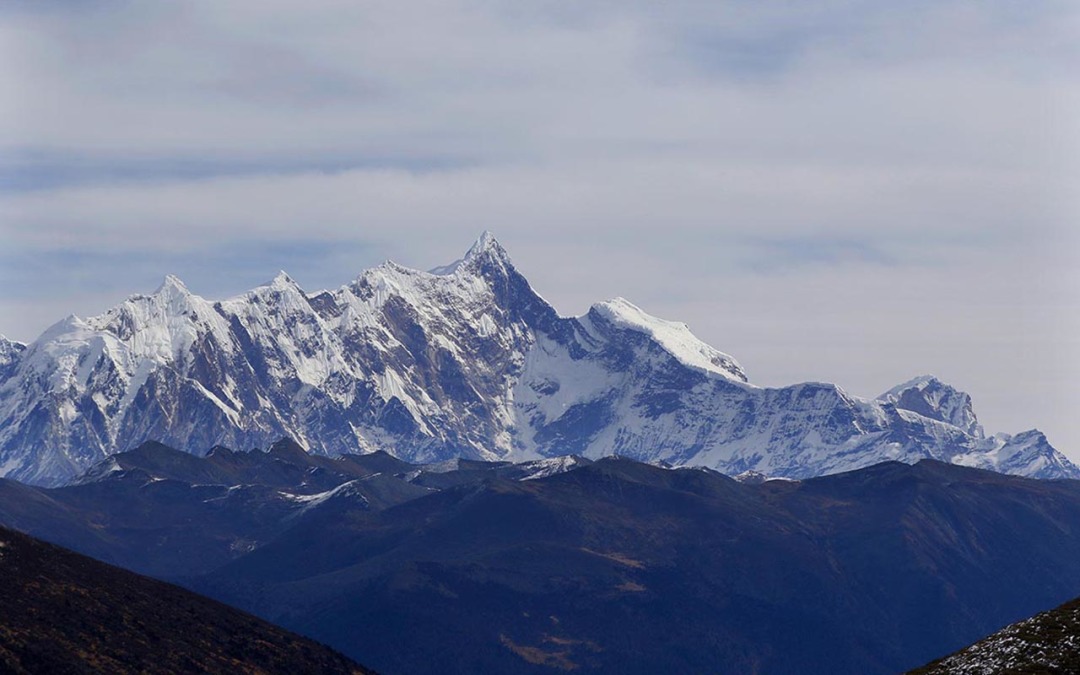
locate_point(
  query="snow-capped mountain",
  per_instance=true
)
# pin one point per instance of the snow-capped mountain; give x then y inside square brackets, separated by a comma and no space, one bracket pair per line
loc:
[930,397]
[10,351]
[464,361]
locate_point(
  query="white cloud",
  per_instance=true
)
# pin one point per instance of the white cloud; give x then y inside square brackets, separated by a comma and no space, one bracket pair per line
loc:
[853,191]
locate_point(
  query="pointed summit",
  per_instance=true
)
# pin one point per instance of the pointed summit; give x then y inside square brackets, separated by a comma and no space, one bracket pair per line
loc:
[172,285]
[172,298]
[930,397]
[485,243]
[6,342]
[9,350]
[486,249]
[281,280]
[173,295]
[286,448]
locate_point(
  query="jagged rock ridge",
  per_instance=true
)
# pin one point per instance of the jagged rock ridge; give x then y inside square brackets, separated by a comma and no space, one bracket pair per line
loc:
[465,361]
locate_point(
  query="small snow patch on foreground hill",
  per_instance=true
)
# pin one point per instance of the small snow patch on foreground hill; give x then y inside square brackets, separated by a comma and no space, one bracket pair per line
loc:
[1046,643]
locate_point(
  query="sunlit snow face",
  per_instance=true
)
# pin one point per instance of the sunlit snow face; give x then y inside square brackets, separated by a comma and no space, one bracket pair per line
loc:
[466,360]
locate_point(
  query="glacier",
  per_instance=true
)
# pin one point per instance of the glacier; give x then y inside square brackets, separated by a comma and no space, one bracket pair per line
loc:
[464,361]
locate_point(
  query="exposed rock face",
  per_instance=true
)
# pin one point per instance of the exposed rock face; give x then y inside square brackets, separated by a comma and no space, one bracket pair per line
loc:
[467,361]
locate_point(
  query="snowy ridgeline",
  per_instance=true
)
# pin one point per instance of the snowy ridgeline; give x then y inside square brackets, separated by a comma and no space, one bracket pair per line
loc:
[464,361]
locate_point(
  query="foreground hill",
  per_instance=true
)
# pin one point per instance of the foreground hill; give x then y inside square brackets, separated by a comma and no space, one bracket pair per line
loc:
[1048,643]
[61,612]
[465,361]
[612,566]
[172,515]
[621,567]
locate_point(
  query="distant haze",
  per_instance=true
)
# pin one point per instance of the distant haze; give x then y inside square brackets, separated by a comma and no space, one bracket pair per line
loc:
[855,192]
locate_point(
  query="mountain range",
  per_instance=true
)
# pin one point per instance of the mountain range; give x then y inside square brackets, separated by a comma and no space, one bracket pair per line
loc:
[464,361]
[606,566]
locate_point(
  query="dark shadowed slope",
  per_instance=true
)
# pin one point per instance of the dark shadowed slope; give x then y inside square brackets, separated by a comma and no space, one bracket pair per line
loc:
[1047,643]
[607,567]
[622,567]
[168,514]
[61,612]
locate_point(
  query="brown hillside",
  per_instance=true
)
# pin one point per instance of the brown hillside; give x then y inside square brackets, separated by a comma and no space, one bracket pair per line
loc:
[61,612]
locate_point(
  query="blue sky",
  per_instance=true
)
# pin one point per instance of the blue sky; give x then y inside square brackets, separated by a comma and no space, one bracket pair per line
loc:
[851,191]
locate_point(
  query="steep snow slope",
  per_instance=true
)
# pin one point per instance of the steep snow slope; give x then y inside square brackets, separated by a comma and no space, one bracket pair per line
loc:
[930,397]
[465,361]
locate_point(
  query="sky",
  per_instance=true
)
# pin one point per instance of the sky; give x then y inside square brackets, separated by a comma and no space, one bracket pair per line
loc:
[855,191]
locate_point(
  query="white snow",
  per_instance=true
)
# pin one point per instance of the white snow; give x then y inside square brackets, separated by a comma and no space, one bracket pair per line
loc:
[543,468]
[350,488]
[951,405]
[10,464]
[523,380]
[673,336]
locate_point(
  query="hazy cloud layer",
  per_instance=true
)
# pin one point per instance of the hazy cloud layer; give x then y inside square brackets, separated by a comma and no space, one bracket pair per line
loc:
[846,191]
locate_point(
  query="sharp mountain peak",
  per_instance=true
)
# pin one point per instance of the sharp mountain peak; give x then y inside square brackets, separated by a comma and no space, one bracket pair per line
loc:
[470,362]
